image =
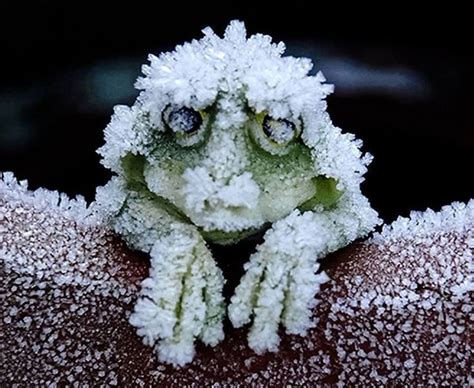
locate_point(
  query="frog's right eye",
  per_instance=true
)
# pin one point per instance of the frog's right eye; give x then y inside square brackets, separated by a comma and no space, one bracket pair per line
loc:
[182,120]
[187,125]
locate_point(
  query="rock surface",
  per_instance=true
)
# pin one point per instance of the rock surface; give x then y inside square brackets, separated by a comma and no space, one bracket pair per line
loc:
[397,310]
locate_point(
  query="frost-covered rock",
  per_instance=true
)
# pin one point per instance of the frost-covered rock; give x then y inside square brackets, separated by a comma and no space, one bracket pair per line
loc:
[396,309]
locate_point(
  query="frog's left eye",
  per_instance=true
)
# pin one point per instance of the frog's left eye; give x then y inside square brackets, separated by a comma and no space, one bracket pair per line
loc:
[281,131]
[182,120]
[275,136]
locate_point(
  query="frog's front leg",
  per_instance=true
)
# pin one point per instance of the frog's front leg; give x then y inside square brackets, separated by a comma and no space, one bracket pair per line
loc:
[181,300]
[281,278]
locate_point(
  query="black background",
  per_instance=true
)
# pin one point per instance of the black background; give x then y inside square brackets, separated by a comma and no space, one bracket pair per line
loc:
[65,64]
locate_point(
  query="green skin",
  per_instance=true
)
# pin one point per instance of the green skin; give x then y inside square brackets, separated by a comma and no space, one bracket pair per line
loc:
[267,171]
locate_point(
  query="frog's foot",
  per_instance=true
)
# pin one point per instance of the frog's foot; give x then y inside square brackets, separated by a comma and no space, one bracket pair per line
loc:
[274,291]
[182,299]
[280,284]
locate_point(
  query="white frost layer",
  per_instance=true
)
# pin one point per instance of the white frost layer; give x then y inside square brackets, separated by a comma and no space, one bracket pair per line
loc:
[404,305]
[196,72]
[451,218]
[61,273]
[398,315]
[233,79]
[76,209]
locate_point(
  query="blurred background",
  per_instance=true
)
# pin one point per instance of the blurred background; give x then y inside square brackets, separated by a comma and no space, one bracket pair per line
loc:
[402,85]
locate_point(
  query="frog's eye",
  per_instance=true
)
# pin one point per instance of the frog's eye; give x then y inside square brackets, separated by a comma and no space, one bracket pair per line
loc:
[188,126]
[276,136]
[182,120]
[281,131]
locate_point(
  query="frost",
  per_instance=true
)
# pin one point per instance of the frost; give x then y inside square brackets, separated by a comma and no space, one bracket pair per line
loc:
[110,198]
[50,246]
[416,273]
[17,192]
[70,286]
[126,132]
[211,199]
[452,217]
[281,279]
[253,68]
[213,145]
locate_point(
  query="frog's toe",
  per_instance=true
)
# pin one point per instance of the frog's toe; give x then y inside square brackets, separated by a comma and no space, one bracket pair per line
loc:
[213,331]
[260,297]
[243,301]
[300,298]
[268,309]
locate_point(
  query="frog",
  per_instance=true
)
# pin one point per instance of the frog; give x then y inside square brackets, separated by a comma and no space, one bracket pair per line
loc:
[229,138]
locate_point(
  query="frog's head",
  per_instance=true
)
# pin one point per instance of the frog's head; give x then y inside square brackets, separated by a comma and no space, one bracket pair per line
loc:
[231,135]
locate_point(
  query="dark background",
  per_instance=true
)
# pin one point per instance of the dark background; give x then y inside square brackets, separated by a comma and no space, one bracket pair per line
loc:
[403,84]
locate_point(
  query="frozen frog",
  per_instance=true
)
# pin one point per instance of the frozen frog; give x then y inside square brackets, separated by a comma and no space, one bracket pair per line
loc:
[228,138]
